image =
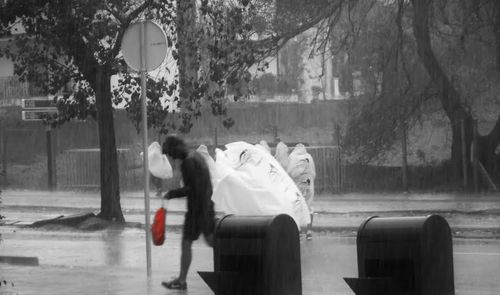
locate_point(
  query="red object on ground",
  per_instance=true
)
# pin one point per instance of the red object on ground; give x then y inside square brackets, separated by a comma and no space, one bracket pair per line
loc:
[158,227]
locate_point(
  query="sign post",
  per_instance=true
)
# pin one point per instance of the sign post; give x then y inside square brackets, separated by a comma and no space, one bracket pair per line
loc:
[4,157]
[37,110]
[50,160]
[144,47]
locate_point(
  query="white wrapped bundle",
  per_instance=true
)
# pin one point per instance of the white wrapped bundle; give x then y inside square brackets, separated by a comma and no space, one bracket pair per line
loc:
[301,164]
[281,154]
[302,170]
[251,182]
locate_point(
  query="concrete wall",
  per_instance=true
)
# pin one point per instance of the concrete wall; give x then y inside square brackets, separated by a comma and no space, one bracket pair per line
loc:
[308,123]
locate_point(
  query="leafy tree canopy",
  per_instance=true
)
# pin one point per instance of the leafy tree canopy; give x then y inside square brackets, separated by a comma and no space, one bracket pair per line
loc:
[66,41]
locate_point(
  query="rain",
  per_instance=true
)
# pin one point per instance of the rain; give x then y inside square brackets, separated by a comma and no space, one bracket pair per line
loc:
[321,147]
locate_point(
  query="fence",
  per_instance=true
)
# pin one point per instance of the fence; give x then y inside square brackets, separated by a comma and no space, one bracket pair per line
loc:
[330,171]
[80,169]
[371,178]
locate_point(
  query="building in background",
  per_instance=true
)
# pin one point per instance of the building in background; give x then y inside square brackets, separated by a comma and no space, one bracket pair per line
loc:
[300,72]
[12,89]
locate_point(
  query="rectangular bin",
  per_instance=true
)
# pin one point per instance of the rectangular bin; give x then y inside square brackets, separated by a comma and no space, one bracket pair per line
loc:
[256,255]
[404,255]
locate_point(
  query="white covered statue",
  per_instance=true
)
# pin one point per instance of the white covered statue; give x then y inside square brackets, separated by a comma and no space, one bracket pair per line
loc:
[302,170]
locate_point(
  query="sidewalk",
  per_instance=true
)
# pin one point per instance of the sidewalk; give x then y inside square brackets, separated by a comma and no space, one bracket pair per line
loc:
[477,215]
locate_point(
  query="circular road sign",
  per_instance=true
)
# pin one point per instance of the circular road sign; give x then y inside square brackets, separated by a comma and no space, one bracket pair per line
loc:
[155,46]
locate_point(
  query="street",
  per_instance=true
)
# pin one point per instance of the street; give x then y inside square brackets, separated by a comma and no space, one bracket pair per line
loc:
[113,262]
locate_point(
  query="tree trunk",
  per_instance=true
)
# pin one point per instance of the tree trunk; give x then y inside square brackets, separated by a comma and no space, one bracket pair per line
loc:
[346,80]
[110,187]
[188,64]
[456,146]
[486,149]
[489,144]
[496,30]
[450,98]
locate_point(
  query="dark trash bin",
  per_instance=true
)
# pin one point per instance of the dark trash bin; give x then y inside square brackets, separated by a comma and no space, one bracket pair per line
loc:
[404,255]
[256,255]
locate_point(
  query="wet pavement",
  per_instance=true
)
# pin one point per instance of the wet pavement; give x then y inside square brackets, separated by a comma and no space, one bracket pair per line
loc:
[113,261]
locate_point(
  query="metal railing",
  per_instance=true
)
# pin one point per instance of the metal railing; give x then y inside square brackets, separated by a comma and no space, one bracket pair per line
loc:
[330,169]
[80,169]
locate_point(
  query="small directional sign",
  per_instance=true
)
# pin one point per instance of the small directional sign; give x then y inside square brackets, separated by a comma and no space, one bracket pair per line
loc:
[38,104]
[37,115]
[36,109]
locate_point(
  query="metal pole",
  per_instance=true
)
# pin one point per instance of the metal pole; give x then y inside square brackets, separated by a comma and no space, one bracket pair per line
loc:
[276,122]
[54,158]
[340,177]
[464,154]
[278,65]
[404,153]
[474,157]
[216,140]
[50,169]
[4,158]
[145,147]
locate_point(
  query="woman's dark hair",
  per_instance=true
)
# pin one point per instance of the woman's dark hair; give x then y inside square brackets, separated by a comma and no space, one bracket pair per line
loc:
[175,147]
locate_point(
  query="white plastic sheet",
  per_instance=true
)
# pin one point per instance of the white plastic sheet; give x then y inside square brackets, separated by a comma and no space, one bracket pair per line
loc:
[263,145]
[214,175]
[281,154]
[158,162]
[249,181]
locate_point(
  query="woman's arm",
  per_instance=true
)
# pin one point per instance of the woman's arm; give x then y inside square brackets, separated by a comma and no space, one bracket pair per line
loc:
[177,193]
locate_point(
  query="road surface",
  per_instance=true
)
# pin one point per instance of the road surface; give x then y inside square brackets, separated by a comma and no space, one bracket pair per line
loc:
[113,262]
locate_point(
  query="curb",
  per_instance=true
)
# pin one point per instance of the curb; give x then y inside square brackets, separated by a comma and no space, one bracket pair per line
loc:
[338,231]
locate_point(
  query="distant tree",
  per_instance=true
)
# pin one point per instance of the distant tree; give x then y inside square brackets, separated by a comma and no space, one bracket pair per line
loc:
[395,83]
[443,52]
[472,29]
